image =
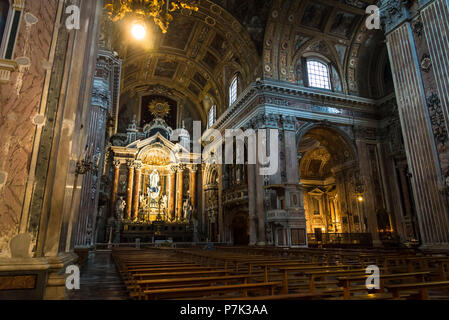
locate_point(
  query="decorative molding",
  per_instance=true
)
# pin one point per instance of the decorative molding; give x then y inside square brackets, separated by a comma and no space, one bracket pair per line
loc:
[418,28]
[426,63]
[19,5]
[131,164]
[138,165]
[255,95]
[394,12]
[6,68]
[116,164]
[437,119]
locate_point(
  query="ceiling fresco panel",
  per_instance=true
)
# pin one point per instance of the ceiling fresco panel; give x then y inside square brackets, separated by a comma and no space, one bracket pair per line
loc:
[166,68]
[316,15]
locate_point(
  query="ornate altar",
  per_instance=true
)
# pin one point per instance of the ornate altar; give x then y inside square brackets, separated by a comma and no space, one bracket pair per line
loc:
[159,178]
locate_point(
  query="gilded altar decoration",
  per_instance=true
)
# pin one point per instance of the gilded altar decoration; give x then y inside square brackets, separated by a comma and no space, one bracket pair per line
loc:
[17,282]
[159,108]
[156,158]
[160,10]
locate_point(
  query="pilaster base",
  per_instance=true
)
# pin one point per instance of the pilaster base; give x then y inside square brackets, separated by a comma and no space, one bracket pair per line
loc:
[35,278]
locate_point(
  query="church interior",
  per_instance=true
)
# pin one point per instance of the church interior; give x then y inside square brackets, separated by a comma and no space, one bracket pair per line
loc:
[138,138]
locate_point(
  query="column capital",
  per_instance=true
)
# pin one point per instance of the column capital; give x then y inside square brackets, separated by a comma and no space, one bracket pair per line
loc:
[131,164]
[182,167]
[194,168]
[116,163]
[394,12]
[173,168]
[138,165]
[288,123]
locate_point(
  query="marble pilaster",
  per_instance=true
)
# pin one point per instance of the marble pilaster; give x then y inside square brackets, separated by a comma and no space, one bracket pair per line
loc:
[115,182]
[130,187]
[136,193]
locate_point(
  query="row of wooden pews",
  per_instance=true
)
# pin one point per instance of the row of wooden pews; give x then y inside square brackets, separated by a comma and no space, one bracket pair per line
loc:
[275,274]
[156,275]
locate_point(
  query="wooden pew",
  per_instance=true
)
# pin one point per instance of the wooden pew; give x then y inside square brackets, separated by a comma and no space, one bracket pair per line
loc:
[322,294]
[345,282]
[302,270]
[184,293]
[179,274]
[421,287]
[313,275]
[424,264]
[144,285]
[132,285]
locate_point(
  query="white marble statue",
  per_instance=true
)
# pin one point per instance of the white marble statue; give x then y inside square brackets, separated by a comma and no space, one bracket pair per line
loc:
[120,208]
[164,201]
[154,180]
[187,209]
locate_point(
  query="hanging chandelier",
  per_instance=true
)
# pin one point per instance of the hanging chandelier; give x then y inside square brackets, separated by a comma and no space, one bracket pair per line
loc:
[160,10]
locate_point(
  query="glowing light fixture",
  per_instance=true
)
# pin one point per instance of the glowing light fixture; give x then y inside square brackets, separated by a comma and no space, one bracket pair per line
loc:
[360,198]
[138,30]
[160,10]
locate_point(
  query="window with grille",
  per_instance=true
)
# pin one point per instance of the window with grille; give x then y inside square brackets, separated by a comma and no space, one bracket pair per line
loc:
[212,117]
[318,75]
[233,90]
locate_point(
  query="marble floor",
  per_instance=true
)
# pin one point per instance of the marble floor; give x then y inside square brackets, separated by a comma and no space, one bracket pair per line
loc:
[99,280]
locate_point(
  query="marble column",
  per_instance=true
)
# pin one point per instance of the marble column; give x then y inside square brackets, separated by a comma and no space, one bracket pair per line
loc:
[172,194]
[179,192]
[252,205]
[129,196]
[145,181]
[136,193]
[193,172]
[219,222]
[116,166]
[419,56]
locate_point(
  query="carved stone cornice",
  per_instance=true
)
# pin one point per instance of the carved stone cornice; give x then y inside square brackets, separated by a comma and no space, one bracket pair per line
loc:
[261,93]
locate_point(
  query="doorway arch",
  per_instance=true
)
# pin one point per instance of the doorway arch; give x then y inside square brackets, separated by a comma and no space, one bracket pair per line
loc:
[329,175]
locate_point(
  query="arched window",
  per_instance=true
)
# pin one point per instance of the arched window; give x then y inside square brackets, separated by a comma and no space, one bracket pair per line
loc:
[212,116]
[318,75]
[233,90]
[4,10]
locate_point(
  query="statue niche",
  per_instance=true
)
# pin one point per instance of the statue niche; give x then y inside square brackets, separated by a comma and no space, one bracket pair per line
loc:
[154,189]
